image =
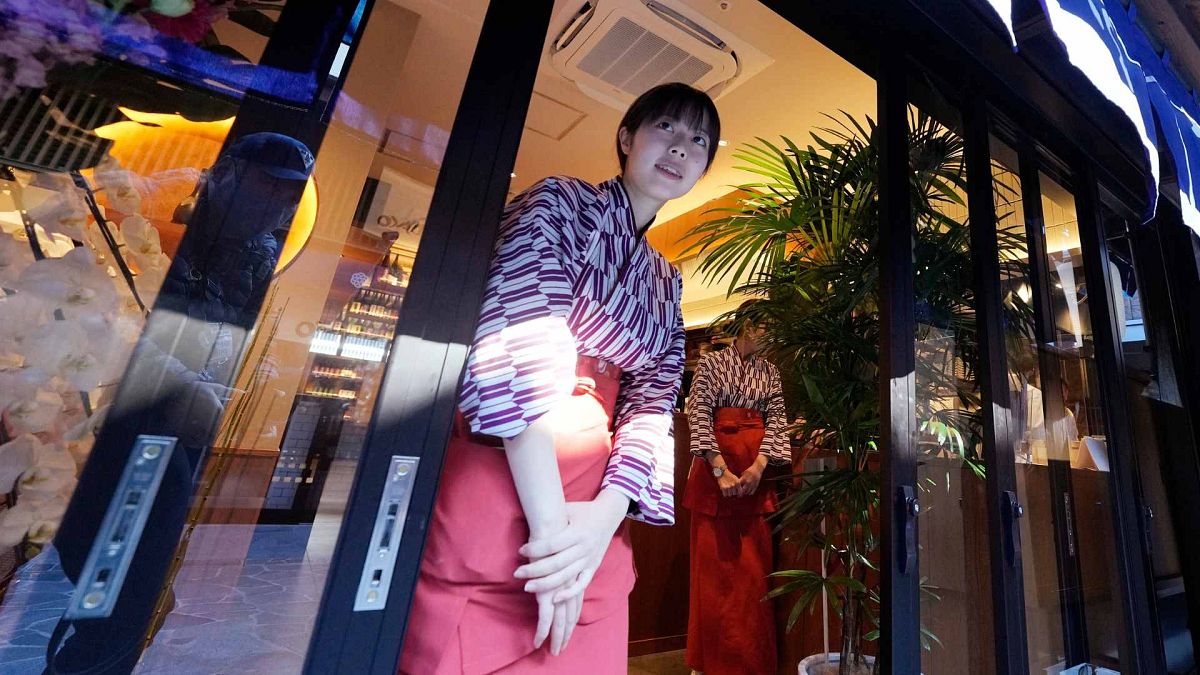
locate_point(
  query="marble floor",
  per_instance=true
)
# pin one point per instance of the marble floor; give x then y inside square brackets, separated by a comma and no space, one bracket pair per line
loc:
[251,615]
[243,608]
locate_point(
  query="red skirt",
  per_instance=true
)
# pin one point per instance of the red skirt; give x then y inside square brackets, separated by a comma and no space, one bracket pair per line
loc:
[469,615]
[731,628]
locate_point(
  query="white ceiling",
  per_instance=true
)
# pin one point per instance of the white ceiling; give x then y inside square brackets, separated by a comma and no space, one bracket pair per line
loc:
[788,97]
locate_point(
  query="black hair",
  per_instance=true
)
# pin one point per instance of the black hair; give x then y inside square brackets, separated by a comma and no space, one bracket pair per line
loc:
[677,101]
[747,314]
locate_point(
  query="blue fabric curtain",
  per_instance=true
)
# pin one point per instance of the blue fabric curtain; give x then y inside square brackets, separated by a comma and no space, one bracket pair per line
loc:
[1094,46]
[1104,43]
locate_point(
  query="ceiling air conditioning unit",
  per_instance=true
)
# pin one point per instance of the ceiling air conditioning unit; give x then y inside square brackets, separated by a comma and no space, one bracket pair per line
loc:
[614,50]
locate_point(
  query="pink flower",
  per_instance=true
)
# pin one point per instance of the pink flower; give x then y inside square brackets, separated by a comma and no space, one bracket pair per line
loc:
[193,26]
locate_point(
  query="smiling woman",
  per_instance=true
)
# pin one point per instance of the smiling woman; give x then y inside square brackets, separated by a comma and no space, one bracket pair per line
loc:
[580,332]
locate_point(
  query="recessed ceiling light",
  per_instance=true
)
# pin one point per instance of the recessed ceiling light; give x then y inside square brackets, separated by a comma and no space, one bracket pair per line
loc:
[722,142]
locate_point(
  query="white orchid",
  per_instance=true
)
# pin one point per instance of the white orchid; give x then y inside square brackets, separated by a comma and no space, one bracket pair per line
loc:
[15,523]
[36,521]
[15,256]
[19,384]
[16,457]
[34,415]
[80,450]
[43,530]
[64,213]
[74,283]
[21,315]
[48,482]
[141,237]
[120,188]
[78,351]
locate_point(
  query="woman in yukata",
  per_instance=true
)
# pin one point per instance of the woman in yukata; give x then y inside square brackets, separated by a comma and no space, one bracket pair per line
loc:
[567,408]
[738,424]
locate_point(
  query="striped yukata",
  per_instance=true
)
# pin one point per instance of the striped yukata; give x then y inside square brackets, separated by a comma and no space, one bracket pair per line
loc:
[736,408]
[572,291]
[725,380]
[557,290]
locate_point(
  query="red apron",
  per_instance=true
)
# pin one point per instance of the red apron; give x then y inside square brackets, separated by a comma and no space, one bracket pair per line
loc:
[731,630]
[469,614]
[739,434]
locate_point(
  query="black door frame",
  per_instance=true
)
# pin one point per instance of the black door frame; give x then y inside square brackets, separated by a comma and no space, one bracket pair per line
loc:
[1003,509]
[899,507]
[418,399]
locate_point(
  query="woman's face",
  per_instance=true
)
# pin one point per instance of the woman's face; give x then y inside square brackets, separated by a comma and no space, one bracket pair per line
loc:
[752,336]
[664,158]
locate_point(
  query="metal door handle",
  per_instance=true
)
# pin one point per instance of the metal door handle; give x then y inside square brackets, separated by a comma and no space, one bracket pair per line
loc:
[908,509]
[1012,512]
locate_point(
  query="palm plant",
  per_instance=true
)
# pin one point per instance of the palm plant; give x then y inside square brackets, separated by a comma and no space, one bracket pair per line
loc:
[803,237]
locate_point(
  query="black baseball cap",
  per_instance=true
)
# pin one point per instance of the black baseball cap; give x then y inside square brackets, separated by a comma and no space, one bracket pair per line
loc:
[275,154]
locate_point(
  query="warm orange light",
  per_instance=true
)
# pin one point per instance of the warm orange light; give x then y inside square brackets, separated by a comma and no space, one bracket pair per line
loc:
[148,143]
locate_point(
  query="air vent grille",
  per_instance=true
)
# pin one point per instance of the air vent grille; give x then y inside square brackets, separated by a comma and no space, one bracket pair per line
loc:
[634,59]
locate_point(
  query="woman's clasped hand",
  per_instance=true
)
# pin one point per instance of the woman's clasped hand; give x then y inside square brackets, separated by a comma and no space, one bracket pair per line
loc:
[562,565]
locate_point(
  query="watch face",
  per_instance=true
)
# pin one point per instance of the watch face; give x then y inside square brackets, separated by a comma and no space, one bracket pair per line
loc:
[718,471]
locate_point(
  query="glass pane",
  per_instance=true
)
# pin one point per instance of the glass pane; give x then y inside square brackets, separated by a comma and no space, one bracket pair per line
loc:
[953,534]
[1075,444]
[260,506]
[1072,610]
[1043,606]
[1161,433]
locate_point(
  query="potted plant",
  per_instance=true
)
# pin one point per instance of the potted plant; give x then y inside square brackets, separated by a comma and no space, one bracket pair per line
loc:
[805,236]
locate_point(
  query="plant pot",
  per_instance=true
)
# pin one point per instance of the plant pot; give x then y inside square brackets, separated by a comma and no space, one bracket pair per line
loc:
[827,664]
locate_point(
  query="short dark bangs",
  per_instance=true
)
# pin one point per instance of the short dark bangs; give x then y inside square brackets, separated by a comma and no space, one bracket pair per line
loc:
[680,102]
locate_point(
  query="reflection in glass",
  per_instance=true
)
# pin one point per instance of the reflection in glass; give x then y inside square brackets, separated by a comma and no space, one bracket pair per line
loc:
[1071,611]
[1043,607]
[96,195]
[1075,442]
[954,569]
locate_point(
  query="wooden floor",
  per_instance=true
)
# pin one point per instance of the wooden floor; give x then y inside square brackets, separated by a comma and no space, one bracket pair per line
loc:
[663,663]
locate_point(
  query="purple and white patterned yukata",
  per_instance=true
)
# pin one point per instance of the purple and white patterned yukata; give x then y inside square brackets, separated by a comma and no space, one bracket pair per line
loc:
[564,284]
[726,379]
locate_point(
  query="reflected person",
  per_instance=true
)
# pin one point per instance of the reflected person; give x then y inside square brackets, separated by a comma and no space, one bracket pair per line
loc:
[180,376]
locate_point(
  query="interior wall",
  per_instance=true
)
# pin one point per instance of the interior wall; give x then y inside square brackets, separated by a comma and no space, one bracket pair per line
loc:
[341,168]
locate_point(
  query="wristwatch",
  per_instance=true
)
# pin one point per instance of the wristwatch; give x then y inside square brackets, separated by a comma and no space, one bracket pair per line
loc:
[718,471]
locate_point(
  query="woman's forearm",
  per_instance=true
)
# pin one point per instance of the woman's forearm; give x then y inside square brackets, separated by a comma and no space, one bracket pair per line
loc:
[534,468]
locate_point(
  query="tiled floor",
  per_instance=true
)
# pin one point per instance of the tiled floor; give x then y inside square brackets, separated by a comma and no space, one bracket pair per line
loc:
[250,616]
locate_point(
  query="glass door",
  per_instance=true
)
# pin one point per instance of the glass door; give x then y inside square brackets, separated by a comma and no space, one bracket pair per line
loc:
[239,223]
[1074,596]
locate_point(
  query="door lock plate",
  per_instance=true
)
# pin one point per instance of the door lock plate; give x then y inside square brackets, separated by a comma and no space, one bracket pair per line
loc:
[377,569]
[112,551]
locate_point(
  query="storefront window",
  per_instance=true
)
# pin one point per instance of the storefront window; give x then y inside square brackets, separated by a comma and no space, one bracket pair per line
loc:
[954,569]
[109,118]
[1072,615]
[1043,605]
[1075,450]
[122,134]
